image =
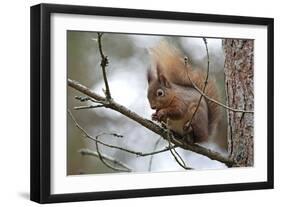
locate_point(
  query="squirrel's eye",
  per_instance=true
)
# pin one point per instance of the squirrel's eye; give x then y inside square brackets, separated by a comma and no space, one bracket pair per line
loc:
[160,92]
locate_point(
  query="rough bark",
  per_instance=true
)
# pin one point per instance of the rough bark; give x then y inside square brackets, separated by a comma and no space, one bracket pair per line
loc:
[239,84]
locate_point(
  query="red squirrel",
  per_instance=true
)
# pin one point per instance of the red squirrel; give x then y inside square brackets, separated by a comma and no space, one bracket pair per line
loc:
[173,96]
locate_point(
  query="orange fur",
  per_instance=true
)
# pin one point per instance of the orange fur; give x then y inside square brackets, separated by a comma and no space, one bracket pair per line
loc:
[170,61]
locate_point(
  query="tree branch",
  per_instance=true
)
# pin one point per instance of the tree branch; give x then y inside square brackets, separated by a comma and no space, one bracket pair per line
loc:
[176,139]
[106,157]
[103,64]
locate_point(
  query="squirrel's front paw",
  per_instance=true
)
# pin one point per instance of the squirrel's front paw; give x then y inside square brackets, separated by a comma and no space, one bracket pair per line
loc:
[162,115]
[154,117]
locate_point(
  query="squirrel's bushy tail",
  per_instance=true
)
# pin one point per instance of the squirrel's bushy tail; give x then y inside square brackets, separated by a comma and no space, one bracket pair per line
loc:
[172,64]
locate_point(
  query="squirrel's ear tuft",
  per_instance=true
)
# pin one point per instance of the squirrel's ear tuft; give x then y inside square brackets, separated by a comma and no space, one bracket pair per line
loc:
[150,75]
[161,78]
[163,81]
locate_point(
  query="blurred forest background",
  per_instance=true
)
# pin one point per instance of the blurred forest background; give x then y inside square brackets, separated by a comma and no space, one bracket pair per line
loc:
[128,63]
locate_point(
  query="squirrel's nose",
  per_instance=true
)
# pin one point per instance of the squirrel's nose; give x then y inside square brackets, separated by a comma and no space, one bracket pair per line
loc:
[153,107]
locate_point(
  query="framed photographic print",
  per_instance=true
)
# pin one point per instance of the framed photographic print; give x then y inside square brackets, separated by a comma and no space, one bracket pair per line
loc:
[132,103]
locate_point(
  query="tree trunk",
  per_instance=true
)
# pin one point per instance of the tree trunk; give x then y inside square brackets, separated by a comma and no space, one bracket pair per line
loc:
[239,84]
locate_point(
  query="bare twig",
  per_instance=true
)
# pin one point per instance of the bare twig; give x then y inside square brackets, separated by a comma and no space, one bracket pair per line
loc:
[87,135]
[208,64]
[178,141]
[104,161]
[205,84]
[105,157]
[88,107]
[87,98]
[151,157]
[175,154]
[83,99]
[215,101]
[103,64]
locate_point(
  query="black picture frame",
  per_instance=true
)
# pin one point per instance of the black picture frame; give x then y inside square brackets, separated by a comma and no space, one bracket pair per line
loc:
[41,98]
